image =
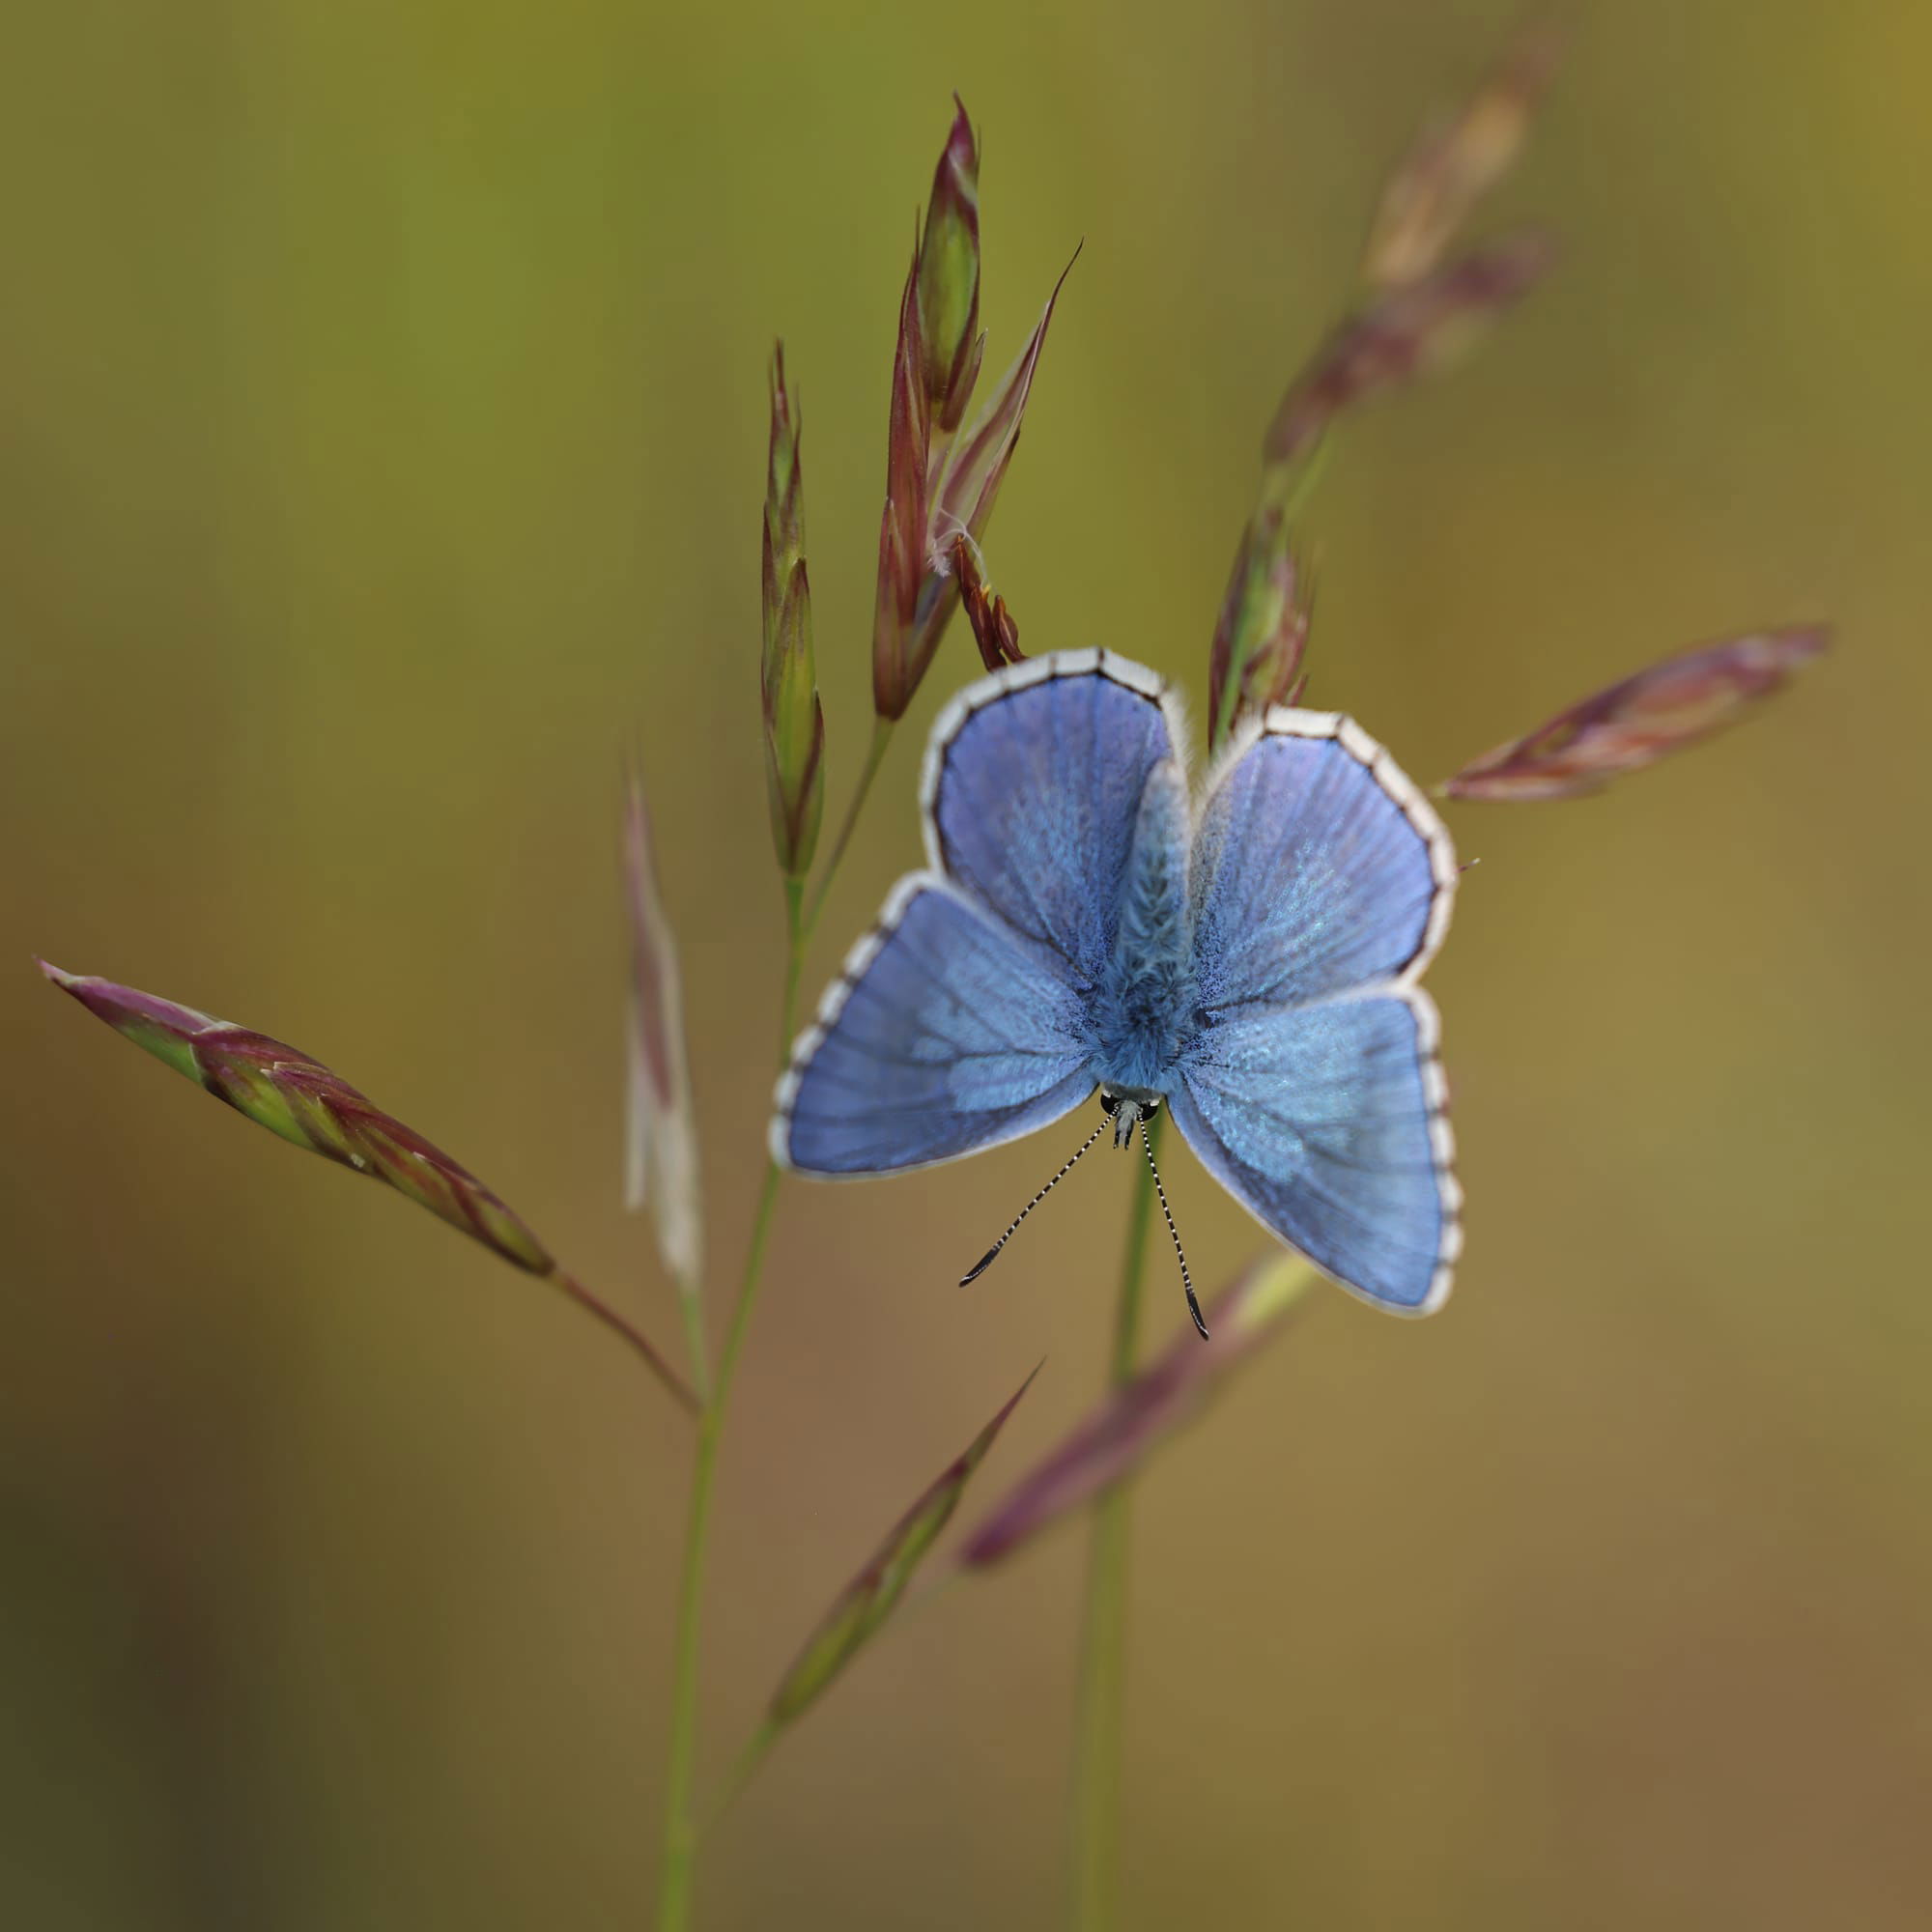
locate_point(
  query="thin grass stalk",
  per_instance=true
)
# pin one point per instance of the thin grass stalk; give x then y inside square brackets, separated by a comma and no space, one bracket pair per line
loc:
[680,1844]
[1103,1636]
[696,1352]
[680,1828]
[797,932]
[875,757]
[595,1305]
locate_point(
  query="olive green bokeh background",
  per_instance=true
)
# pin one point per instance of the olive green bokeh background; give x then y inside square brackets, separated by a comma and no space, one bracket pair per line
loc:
[382,453]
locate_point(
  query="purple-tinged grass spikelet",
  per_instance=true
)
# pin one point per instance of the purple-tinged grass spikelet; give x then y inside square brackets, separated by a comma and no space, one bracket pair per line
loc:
[978,465]
[661,1155]
[1417,316]
[283,1090]
[1455,161]
[1641,719]
[966,494]
[949,278]
[1138,1417]
[902,526]
[1405,333]
[1262,635]
[994,629]
[865,1604]
[941,480]
[788,680]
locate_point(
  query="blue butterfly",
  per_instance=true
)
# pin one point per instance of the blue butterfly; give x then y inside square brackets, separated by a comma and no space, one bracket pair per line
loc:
[1250,962]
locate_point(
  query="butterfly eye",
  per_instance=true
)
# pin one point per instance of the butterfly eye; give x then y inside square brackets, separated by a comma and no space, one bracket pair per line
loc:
[1110,1105]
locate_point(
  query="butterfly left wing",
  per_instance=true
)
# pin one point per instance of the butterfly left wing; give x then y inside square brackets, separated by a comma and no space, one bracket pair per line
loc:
[961,1021]
[1032,789]
[1324,882]
[944,1034]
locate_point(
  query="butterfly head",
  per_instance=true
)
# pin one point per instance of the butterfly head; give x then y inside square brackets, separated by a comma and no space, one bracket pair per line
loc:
[1127,1107]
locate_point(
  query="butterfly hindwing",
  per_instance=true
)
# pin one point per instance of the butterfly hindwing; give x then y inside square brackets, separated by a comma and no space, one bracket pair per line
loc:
[943,1034]
[1323,886]
[1325,1123]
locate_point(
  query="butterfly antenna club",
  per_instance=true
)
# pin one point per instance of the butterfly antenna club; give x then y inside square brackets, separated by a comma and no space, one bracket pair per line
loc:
[1167,1214]
[992,1254]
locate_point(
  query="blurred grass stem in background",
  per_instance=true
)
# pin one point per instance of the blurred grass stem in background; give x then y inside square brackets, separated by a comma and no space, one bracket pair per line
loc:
[1104,1632]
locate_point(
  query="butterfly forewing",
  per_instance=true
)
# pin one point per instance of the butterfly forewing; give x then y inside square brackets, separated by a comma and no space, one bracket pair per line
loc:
[1318,867]
[1033,785]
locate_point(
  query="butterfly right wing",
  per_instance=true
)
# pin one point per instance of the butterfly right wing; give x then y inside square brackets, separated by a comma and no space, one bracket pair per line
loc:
[1327,1122]
[945,1033]
[1323,883]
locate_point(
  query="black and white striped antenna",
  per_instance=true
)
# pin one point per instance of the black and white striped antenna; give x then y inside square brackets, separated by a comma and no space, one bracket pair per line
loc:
[1167,1214]
[992,1254]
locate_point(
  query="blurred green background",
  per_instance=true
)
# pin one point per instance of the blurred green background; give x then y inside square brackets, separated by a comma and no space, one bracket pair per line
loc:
[383,444]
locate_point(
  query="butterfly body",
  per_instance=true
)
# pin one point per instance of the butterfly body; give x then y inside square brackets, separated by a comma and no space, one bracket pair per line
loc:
[1142,1008]
[1247,960]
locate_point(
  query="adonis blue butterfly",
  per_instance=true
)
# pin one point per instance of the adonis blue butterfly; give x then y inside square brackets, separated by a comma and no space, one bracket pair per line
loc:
[1249,962]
